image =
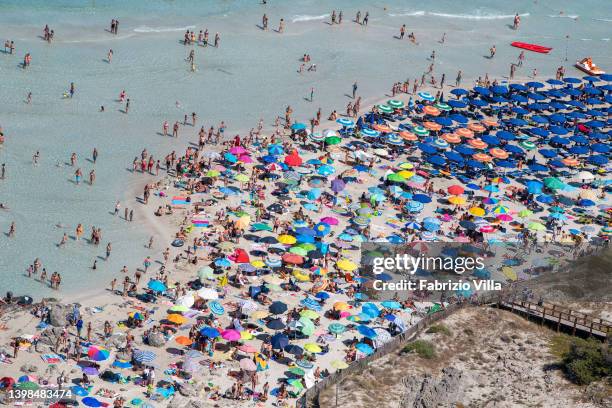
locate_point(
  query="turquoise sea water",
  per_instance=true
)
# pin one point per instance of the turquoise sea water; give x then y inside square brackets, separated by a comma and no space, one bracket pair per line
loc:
[251,76]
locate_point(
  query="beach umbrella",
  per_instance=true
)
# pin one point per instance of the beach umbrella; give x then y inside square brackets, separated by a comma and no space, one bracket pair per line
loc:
[277,308]
[316,136]
[308,327]
[366,331]
[144,356]
[500,209]
[534,187]
[553,183]
[477,211]
[312,348]
[426,96]
[346,265]
[216,308]
[248,365]
[122,364]
[156,286]
[336,328]
[370,132]
[287,239]
[176,318]
[420,131]
[279,341]
[92,402]
[293,259]
[341,306]
[209,332]
[364,348]
[208,294]
[96,353]
[183,340]
[345,122]
[230,335]
[431,110]
[456,200]
[396,104]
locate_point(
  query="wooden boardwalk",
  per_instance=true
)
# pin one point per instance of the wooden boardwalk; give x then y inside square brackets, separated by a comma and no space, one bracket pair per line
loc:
[562,318]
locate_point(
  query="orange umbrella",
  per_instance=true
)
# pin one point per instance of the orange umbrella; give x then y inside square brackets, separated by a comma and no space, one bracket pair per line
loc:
[477,143]
[498,153]
[476,127]
[431,110]
[490,123]
[176,318]
[411,137]
[382,128]
[451,138]
[183,341]
[482,157]
[464,132]
[570,162]
[432,126]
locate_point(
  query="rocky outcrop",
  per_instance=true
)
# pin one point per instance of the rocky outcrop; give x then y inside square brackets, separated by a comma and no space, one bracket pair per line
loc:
[431,392]
[156,339]
[58,315]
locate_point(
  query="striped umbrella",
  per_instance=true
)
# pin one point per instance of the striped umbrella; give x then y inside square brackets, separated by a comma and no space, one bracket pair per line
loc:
[478,144]
[443,106]
[451,138]
[432,126]
[570,162]
[464,132]
[382,127]
[482,157]
[317,136]
[394,103]
[345,122]
[409,136]
[528,145]
[490,123]
[441,143]
[361,221]
[476,127]
[498,153]
[144,356]
[370,132]
[426,96]
[431,110]
[394,139]
[420,131]
[385,108]
[500,209]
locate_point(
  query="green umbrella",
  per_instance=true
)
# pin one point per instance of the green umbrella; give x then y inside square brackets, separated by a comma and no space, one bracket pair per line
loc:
[394,103]
[206,273]
[442,106]
[179,308]
[213,173]
[385,108]
[336,328]
[308,327]
[260,226]
[243,178]
[307,246]
[28,385]
[556,209]
[332,140]
[309,314]
[298,251]
[553,183]
[536,226]
[395,177]
[525,213]
[296,383]
[420,131]
[297,371]
[528,145]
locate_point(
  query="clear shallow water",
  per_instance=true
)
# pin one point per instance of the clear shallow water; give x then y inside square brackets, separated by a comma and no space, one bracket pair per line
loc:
[251,76]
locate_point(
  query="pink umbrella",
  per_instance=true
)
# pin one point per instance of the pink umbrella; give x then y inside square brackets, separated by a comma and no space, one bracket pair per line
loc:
[504,217]
[487,229]
[230,335]
[245,158]
[219,167]
[247,349]
[247,364]
[447,217]
[238,150]
[330,220]
[344,314]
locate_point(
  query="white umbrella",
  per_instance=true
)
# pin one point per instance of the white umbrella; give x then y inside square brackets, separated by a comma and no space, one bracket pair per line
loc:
[584,175]
[248,307]
[187,300]
[330,133]
[208,294]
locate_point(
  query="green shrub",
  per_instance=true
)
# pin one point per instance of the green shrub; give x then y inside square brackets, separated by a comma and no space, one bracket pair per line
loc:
[582,360]
[440,328]
[423,348]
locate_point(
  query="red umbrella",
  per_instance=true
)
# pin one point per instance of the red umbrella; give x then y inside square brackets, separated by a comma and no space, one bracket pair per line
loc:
[456,190]
[293,159]
[293,259]
[240,256]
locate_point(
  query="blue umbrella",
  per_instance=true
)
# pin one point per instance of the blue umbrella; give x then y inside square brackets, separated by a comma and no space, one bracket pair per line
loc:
[421,198]
[520,111]
[364,348]
[558,130]
[366,331]
[600,148]
[554,81]
[475,164]
[144,356]
[223,262]
[345,122]
[490,140]
[456,117]
[453,156]
[517,122]
[156,286]
[279,341]
[545,199]
[481,90]
[585,203]
[209,332]
[464,149]
[456,104]
[534,84]
[426,148]
[326,170]
[459,91]
[539,132]
[572,80]
[298,126]
[437,160]
[548,153]
[500,89]
[598,160]
[444,121]
[91,402]
[478,102]
[322,295]
[505,135]
[518,87]
[506,163]
[275,149]
[518,98]
[536,167]
[559,140]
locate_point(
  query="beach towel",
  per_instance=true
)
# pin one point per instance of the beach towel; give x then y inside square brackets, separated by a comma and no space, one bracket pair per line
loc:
[178,200]
[52,358]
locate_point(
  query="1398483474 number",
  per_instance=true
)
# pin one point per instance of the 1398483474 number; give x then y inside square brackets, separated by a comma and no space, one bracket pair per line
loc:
[41,394]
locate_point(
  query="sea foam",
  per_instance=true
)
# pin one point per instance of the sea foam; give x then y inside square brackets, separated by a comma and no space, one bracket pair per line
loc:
[147,29]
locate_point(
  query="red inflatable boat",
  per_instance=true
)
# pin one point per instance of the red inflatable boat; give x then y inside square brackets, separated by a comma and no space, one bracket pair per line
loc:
[532,47]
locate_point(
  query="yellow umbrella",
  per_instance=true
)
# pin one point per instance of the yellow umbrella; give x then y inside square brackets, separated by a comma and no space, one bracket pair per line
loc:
[346,265]
[339,364]
[245,335]
[287,239]
[340,306]
[300,276]
[477,211]
[406,166]
[176,318]
[258,264]
[406,174]
[260,314]
[243,178]
[456,200]
[509,273]
[243,222]
[312,347]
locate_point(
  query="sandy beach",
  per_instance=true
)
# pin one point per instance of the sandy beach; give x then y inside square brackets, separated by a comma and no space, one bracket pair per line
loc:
[226,266]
